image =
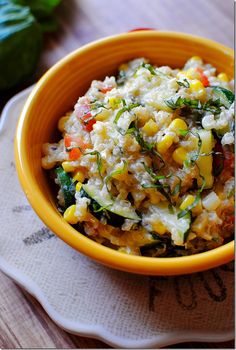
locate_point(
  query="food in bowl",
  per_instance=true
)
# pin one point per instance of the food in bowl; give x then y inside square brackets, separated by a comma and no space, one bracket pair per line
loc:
[145,163]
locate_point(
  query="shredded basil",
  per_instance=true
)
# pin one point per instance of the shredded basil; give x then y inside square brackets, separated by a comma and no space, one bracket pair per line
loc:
[211,105]
[149,67]
[183,83]
[177,187]
[125,109]
[194,155]
[145,146]
[121,77]
[157,184]
[196,200]
[117,172]
[99,160]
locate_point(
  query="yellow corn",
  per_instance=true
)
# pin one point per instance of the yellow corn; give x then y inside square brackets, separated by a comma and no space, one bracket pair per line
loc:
[188,200]
[178,124]
[159,227]
[78,186]
[46,164]
[69,215]
[198,88]
[196,58]
[114,102]
[150,128]
[165,143]
[79,176]
[103,115]
[180,155]
[67,167]
[191,73]
[61,123]
[223,77]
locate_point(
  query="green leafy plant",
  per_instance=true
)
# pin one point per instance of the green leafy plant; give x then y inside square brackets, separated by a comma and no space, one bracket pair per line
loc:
[21,29]
[20,44]
[39,8]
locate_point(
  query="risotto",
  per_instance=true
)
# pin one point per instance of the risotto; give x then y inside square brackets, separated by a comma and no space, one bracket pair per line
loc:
[145,164]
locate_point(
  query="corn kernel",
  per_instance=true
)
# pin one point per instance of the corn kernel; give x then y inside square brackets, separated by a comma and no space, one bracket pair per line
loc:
[67,167]
[114,102]
[46,164]
[223,77]
[188,200]
[178,124]
[69,215]
[159,227]
[150,128]
[198,88]
[191,73]
[78,186]
[103,115]
[196,58]
[61,123]
[180,155]
[79,176]
[165,143]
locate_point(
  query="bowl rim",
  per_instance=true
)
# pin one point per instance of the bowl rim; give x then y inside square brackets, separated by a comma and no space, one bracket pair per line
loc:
[107,256]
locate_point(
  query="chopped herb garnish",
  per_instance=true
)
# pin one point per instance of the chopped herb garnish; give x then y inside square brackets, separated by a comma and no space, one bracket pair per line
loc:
[183,83]
[152,69]
[157,184]
[125,109]
[145,146]
[99,159]
[194,155]
[211,105]
[121,77]
[171,209]
[177,187]
[117,172]
[196,200]
[149,67]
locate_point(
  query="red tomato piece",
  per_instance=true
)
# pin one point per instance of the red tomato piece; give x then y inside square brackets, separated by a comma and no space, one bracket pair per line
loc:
[204,78]
[106,89]
[75,154]
[89,125]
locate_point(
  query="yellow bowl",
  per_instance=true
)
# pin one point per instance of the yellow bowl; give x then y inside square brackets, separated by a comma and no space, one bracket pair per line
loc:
[57,92]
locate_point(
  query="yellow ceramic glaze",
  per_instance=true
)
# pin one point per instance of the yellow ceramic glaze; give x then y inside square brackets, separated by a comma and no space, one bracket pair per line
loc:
[56,93]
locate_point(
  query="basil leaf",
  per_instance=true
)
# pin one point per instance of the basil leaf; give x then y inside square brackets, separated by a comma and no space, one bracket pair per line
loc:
[99,160]
[183,83]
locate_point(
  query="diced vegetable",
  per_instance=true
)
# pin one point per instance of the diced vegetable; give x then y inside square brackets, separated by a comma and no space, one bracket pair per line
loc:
[69,215]
[67,186]
[226,96]
[204,162]
[102,205]
[211,201]
[177,227]
[203,77]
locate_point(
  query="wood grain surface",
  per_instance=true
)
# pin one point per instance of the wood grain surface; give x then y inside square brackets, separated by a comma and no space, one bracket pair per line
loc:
[23,322]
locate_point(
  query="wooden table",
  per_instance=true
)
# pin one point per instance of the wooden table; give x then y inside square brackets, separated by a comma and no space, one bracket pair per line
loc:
[23,322]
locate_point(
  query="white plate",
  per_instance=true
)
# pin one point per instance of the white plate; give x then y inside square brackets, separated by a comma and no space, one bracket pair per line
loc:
[85,298]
